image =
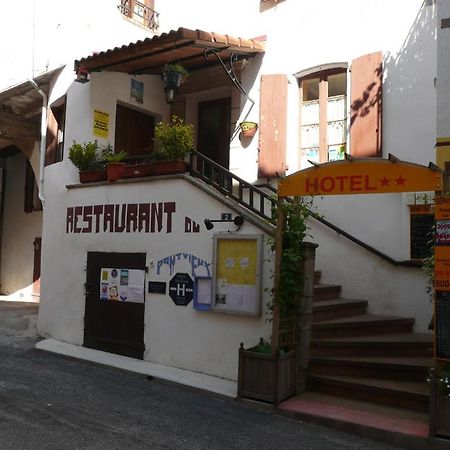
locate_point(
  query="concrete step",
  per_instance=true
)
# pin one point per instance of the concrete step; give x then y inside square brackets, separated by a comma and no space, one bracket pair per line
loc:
[334,309]
[326,291]
[393,368]
[363,325]
[399,393]
[402,344]
[403,428]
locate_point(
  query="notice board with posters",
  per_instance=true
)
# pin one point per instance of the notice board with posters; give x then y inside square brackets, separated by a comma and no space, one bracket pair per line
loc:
[442,278]
[237,274]
[121,284]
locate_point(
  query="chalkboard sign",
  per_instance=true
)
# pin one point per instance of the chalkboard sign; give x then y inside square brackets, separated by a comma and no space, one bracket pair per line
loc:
[442,328]
[421,227]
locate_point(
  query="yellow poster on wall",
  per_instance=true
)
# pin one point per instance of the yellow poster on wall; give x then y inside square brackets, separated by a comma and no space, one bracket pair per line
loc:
[237,274]
[101,123]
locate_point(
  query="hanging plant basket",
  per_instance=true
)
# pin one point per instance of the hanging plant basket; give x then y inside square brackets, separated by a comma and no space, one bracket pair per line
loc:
[172,79]
[248,129]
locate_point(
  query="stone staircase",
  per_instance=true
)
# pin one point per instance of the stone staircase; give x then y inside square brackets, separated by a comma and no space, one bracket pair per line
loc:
[366,357]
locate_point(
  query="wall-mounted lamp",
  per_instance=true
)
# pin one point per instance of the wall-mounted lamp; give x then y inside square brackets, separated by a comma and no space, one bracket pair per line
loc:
[82,75]
[238,221]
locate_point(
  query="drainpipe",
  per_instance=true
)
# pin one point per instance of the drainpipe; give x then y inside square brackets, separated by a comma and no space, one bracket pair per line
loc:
[43,142]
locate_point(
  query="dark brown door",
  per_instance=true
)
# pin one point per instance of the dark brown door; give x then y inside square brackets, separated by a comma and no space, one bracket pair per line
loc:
[37,266]
[214,122]
[113,326]
[134,131]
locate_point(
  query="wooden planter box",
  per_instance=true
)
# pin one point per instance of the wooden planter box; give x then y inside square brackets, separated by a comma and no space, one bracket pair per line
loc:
[439,413]
[168,167]
[91,176]
[138,170]
[270,378]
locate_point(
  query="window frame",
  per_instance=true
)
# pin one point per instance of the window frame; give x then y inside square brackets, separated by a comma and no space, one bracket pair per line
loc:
[322,72]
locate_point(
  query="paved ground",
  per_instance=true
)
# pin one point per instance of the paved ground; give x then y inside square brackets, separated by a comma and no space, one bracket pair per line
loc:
[50,402]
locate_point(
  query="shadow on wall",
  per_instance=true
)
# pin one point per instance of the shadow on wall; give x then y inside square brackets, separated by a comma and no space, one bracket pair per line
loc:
[28,294]
[410,94]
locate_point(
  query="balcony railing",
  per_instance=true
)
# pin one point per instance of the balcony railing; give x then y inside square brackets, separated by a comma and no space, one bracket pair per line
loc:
[140,13]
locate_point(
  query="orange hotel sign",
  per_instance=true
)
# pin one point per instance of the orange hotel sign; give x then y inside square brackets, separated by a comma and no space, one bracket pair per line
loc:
[360,176]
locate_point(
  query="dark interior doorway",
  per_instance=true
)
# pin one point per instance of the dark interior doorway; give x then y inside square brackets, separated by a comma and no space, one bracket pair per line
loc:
[134,131]
[214,125]
[113,326]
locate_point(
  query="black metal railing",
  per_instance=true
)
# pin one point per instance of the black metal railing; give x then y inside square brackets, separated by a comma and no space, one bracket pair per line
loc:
[253,198]
[262,204]
[141,13]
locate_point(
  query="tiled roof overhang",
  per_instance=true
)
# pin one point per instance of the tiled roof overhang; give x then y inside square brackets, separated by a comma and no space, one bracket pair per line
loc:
[183,46]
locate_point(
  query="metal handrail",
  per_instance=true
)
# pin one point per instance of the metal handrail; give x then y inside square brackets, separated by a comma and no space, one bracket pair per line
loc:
[256,200]
[131,8]
[222,179]
[350,237]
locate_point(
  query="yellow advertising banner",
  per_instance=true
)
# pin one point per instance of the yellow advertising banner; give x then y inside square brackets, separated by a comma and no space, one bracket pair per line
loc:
[442,268]
[101,123]
[361,176]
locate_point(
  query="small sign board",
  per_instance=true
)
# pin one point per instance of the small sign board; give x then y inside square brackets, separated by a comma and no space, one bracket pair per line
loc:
[181,289]
[157,287]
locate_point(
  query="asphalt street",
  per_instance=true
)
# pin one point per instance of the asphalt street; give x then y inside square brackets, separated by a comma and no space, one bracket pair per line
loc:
[51,402]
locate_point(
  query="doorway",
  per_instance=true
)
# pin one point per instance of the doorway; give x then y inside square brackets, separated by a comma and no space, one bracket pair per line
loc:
[113,326]
[214,128]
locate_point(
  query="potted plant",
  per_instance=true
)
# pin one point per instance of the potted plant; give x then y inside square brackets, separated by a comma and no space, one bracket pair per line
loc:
[173,142]
[440,400]
[266,375]
[174,75]
[114,163]
[84,157]
[248,129]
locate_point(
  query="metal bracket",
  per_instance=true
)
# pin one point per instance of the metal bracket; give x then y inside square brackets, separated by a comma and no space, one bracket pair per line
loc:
[232,76]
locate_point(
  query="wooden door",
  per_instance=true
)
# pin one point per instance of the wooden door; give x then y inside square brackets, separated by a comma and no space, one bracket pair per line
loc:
[37,266]
[214,125]
[113,326]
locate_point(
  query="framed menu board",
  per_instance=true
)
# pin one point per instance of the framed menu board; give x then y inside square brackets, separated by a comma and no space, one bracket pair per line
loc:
[237,274]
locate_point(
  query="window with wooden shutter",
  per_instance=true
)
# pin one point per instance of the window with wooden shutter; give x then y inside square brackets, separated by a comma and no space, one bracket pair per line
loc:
[55,133]
[366,105]
[31,200]
[272,126]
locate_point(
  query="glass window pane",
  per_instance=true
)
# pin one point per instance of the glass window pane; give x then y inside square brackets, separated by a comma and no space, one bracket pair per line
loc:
[310,112]
[336,108]
[310,136]
[337,84]
[336,152]
[311,154]
[336,132]
[310,89]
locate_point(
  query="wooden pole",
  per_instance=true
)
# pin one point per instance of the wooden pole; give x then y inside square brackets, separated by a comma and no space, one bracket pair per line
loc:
[277,272]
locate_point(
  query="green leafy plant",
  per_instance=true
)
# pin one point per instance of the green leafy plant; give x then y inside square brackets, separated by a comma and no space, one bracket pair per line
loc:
[110,156]
[442,377]
[176,67]
[295,230]
[173,140]
[84,156]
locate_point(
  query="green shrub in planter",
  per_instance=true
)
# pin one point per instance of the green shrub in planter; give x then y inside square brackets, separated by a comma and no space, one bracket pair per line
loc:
[84,156]
[173,140]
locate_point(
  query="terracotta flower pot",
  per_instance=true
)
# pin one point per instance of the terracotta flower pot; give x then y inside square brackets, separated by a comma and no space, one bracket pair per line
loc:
[248,129]
[115,171]
[168,167]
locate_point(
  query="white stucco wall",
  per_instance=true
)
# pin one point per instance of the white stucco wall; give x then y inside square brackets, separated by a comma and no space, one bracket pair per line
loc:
[443,71]
[47,36]
[174,335]
[18,233]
